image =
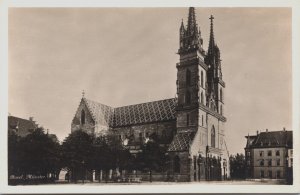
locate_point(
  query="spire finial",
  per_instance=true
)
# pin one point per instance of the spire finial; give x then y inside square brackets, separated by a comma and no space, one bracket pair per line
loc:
[83,93]
[211,19]
[182,24]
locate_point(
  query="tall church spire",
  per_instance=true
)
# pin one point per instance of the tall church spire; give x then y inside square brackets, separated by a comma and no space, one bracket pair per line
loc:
[190,37]
[211,44]
[192,24]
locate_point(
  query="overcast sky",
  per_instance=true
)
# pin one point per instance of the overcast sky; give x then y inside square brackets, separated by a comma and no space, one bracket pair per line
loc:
[123,56]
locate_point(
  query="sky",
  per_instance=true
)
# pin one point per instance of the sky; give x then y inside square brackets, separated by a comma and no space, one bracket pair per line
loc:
[123,56]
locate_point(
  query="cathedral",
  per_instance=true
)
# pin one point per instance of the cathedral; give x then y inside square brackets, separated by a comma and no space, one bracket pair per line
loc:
[191,126]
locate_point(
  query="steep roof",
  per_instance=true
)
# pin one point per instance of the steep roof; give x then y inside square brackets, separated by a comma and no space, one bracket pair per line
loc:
[272,139]
[162,110]
[101,113]
[21,126]
[181,141]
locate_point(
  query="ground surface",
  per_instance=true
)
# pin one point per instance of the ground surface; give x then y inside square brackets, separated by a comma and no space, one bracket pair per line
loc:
[228,182]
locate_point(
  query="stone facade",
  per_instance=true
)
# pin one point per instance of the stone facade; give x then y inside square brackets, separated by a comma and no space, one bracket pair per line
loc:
[191,126]
[200,106]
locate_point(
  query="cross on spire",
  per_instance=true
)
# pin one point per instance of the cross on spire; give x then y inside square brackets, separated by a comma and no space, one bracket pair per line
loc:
[211,38]
[211,19]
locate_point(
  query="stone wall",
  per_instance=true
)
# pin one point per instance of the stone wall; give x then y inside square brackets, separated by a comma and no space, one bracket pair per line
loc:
[185,170]
[137,133]
[182,118]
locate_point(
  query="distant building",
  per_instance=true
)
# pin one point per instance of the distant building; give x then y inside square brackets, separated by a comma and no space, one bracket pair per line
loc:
[23,127]
[20,126]
[269,155]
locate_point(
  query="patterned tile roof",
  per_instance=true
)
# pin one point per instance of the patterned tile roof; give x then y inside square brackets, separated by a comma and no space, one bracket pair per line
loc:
[101,113]
[21,126]
[161,110]
[181,141]
[155,111]
[271,139]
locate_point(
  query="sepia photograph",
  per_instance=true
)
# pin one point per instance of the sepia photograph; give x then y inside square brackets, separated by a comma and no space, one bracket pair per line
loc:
[150,96]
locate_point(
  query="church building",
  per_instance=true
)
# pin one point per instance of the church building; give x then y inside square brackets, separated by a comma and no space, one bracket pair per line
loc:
[191,126]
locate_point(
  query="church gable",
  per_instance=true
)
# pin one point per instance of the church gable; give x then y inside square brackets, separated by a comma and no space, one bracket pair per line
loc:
[83,119]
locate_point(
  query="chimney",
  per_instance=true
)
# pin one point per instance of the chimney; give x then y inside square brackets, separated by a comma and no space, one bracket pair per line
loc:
[257,132]
[31,118]
[283,128]
[267,130]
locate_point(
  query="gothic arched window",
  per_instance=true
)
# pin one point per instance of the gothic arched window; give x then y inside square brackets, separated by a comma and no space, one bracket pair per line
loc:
[221,109]
[176,164]
[201,98]
[201,78]
[82,117]
[187,97]
[221,95]
[213,137]
[188,77]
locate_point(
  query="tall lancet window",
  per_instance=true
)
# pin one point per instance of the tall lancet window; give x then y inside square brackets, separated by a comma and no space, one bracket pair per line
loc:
[213,137]
[201,78]
[82,117]
[187,97]
[201,98]
[188,77]
[221,95]
[221,109]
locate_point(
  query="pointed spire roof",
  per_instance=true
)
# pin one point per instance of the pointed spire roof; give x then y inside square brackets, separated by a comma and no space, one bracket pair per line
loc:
[182,24]
[83,93]
[192,24]
[182,29]
[211,44]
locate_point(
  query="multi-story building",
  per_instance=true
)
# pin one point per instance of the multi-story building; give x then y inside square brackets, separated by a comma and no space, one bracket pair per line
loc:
[191,126]
[268,154]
